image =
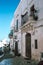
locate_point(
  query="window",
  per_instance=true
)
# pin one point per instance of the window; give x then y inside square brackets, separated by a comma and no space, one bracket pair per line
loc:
[42,54]
[17,24]
[36,44]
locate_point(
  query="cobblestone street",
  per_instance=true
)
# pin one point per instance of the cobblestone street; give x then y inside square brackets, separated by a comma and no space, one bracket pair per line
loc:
[10,60]
[16,61]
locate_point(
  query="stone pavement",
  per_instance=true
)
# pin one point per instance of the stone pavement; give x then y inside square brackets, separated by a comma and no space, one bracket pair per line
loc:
[16,61]
[10,59]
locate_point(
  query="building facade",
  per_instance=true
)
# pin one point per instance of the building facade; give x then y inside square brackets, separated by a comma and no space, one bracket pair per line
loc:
[31,29]
[28,29]
[16,23]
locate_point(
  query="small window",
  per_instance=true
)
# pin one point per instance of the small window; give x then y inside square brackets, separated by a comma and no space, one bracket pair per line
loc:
[36,47]
[17,24]
[42,54]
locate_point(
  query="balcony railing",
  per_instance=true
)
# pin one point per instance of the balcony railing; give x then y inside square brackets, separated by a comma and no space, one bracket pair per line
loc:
[24,18]
[34,16]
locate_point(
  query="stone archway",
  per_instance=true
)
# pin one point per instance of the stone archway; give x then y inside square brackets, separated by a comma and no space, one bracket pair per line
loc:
[28,45]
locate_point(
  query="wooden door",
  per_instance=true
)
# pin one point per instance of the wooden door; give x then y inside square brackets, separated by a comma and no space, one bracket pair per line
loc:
[28,45]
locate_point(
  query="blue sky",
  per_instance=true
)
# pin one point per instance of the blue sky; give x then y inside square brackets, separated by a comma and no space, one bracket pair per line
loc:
[7,8]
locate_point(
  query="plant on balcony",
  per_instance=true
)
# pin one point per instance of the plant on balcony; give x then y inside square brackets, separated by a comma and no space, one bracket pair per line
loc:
[10,34]
[33,12]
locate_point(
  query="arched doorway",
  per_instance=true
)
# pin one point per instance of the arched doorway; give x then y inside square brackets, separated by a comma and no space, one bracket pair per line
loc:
[28,45]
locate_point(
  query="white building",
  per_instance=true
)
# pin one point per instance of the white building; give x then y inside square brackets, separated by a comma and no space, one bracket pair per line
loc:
[15,25]
[28,28]
[32,29]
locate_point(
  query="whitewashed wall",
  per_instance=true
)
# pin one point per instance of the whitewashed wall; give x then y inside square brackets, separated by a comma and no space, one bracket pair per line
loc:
[23,45]
[19,41]
[11,44]
[17,16]
[23,6]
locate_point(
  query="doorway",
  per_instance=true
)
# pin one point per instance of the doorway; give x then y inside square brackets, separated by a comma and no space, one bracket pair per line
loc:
[16,48]
[28,45]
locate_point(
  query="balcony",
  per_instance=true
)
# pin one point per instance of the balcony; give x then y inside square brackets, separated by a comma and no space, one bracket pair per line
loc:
[10,35]
[24,18]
